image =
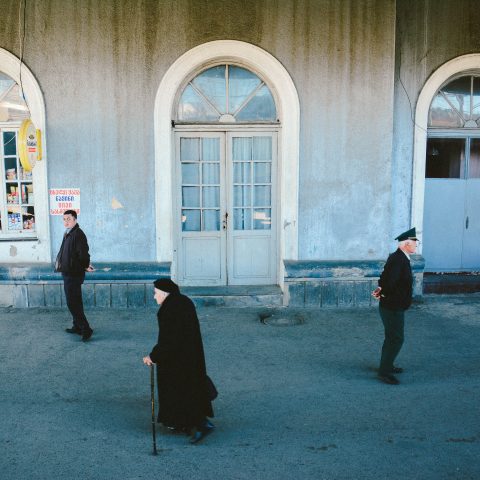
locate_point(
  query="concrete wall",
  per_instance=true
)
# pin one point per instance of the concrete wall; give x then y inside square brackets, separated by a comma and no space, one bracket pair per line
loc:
[99,65]
[429,33]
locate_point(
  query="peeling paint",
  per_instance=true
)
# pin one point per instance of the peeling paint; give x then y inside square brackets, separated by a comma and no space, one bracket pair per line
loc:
[116,204]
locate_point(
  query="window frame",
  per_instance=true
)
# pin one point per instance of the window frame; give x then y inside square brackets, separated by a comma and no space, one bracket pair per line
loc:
[21,234]
[30,249]
[263,82]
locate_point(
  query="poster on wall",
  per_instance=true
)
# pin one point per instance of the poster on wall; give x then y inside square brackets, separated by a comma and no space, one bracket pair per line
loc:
[62,199]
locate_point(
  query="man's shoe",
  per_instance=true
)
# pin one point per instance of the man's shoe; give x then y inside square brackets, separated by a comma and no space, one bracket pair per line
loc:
[397,370]
[390,379]
[86,335]
[73,330]
[200,433]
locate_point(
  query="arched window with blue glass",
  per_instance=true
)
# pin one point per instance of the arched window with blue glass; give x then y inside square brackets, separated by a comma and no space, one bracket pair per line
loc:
[226,94]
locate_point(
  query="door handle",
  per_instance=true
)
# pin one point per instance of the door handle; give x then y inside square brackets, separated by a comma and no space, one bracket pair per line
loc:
[466,223]
[225,221]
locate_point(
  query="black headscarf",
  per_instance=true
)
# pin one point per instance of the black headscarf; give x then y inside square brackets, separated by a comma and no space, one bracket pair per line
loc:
[166,285]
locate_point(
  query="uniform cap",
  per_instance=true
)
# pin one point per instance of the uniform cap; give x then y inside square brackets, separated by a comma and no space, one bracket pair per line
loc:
[408,235]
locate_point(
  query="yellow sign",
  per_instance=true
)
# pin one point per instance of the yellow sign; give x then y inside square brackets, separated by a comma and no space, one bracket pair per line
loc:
[30,145]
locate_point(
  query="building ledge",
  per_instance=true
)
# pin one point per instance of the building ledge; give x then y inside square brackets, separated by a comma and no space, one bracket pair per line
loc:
[338,269]
[104,272]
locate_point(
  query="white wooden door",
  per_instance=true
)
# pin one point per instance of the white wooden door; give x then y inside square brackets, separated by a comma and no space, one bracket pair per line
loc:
[443,223]
[471,237]
[201,245]
[251,240]
[226,208]
[452,205]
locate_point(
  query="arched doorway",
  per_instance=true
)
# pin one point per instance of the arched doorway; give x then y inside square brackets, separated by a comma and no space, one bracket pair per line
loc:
[452,177]
[446,175]
[24,221]
[271,73]
[226,163]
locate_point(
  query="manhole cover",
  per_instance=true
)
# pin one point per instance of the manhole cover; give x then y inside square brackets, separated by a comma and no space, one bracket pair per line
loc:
[281,321]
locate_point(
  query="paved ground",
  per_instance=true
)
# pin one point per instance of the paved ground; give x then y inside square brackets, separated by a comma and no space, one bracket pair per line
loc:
[296,402]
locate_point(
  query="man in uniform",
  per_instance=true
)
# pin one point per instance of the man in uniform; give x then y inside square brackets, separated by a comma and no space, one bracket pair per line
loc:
[73,260]
[394,291]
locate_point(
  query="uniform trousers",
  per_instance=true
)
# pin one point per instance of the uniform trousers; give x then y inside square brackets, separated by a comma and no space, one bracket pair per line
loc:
[72,286]
[393,322]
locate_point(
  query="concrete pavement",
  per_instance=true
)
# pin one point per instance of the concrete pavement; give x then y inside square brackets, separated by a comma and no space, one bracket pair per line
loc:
[295,402]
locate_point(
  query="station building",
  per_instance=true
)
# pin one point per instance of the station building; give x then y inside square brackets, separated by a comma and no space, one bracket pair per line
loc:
[273,148]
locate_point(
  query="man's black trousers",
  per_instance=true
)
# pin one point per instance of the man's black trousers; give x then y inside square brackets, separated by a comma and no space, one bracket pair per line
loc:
[393,321]
[73,293]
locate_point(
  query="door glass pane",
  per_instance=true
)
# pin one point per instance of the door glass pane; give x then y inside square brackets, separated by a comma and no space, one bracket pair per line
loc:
[445,158]
[476,100]
[211,173]
[474,165]
[211,220]
[212,84]
[191,220]
[189,149]
[242,148]
[211,149]
[241,172]
[261,172]
[191,196]
[242,219]
[262,219]
[242,196]
[193,108]
[241,83]
[261,196]
[262,148]
[211,197]
[190,173]
[260,108]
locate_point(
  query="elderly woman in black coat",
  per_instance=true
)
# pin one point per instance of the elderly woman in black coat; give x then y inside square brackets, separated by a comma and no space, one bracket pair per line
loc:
[183,392]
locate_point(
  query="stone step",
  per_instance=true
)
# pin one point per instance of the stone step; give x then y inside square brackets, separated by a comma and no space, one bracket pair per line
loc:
[463,282]
[235,296]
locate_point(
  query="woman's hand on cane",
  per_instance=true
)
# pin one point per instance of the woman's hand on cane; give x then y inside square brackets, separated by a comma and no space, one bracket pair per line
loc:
[147,361]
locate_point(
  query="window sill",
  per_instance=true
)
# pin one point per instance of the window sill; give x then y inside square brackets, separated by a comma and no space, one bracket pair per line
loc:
[18,239]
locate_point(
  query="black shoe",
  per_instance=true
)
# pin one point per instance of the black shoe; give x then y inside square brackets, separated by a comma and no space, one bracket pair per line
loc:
[86,335]
[73,330]
[201,432]
[390,379]
[397,370]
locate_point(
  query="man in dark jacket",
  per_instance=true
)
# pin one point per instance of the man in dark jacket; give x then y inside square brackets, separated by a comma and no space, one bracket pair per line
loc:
[183,397]
[394,291]
[73,260]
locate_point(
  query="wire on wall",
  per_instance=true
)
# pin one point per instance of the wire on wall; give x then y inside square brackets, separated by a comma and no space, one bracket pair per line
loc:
[22,22]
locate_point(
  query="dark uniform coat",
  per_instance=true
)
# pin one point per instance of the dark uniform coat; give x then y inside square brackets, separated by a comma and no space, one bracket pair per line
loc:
[396,282]
[73,257]
[181,374]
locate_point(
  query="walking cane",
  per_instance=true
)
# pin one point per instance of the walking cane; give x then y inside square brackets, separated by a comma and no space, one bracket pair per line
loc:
[152,392]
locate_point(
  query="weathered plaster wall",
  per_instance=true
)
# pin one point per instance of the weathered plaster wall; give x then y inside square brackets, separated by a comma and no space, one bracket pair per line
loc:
[429,33]
[99,65]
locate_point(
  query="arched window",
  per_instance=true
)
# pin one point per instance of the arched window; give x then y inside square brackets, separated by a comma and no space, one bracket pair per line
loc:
[17,200]
[226,94]
[453,130]
[457,104]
